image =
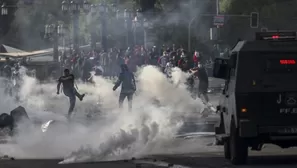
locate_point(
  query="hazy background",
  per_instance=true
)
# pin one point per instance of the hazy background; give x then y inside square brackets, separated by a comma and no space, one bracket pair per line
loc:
[114,134]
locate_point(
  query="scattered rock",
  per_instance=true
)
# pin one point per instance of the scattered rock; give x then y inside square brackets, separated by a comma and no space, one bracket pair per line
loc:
[170,164]
[19,114]
[6,157]
[5,120]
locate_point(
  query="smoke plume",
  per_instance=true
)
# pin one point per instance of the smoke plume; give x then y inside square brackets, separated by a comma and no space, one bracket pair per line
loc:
[99,130]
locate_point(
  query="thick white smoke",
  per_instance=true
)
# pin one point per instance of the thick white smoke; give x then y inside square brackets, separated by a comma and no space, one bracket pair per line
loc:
[159,107]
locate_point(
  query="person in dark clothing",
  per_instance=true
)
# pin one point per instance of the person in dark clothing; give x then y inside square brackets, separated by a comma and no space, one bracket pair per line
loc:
[69,90]
[153,56]
[126,78]
[7,71]
[200,71]
[7,68]
[87,68]
[184,64]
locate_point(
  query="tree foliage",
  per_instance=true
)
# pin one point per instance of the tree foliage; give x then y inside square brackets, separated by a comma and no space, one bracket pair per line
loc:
[7,19]
[274,14]
[31,16]
[170,25]
[27,27]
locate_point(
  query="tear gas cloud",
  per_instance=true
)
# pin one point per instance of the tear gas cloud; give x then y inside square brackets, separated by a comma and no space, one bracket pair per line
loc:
[110,133]
[159,109]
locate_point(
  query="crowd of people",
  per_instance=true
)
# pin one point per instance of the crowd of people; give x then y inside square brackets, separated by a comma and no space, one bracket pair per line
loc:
[108,63]
[10,71]
[122,64]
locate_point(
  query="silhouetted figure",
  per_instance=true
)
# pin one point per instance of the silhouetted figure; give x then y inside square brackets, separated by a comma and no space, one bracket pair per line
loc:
[69,90]
[203,81]
[126,78]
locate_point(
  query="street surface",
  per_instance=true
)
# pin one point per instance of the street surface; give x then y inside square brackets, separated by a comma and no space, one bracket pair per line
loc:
[194,124]
[192,148]
[204,157]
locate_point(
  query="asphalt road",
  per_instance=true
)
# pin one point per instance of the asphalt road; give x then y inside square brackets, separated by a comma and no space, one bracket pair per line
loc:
[270,157]
[186,152]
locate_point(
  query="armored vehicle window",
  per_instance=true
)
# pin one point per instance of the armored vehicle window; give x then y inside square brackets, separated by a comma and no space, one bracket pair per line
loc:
[266,71]
[280,63]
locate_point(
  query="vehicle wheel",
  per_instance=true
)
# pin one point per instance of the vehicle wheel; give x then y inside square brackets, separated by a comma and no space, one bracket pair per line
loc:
[238,147]
[227,152]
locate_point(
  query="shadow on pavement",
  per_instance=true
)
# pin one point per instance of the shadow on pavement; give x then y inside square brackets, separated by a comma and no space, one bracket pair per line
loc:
[273,160]
[51,163]
[288,161]
[201,161]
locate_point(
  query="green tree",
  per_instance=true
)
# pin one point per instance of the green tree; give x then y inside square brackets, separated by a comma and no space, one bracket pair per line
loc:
[27,29]
[274,14]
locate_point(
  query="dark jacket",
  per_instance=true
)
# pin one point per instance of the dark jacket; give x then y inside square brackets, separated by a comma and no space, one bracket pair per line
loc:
[126,78]
[203,80]
[7,70]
